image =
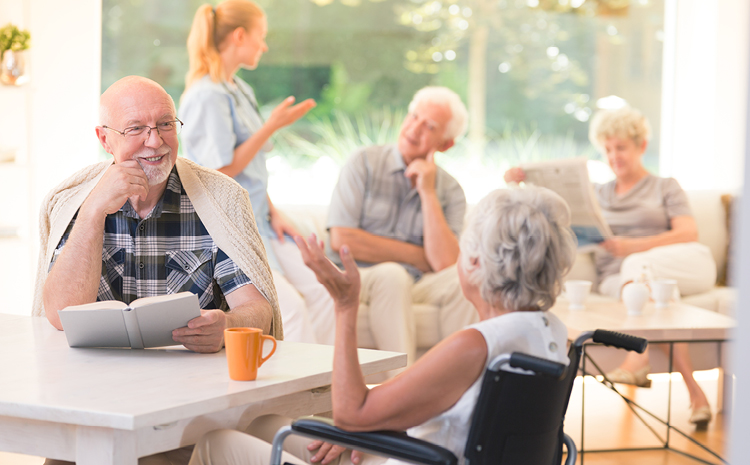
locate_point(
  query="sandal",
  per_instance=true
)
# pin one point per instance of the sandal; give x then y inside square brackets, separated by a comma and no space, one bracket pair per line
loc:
[639,378]
[701,416]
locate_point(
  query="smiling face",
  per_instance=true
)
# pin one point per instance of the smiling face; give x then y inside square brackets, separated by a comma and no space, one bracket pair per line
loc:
[254,43]
[139,102]
[623,155]
[422,131]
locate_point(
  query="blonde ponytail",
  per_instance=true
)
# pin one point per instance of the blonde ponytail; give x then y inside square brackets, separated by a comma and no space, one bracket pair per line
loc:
[210,27]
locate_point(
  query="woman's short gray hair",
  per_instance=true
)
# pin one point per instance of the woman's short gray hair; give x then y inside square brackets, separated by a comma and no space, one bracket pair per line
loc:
[518,246]
[625,123]
[459,122]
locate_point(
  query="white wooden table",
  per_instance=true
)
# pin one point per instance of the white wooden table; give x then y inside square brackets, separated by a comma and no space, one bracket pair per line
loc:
[111,406]
[677,323]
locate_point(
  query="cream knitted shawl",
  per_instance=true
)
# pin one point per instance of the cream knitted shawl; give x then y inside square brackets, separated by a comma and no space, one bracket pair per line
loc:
[222,205]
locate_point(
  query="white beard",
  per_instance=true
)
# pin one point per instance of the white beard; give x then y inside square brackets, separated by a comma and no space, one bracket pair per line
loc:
[156,174]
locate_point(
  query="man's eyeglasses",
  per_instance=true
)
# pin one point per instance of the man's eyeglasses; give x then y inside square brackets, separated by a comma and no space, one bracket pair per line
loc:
[168,128]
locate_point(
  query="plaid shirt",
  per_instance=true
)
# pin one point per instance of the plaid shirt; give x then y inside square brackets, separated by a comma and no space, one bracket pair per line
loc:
[167,252]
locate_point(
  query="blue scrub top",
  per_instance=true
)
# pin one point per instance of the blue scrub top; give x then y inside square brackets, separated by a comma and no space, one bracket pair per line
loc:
[218,118]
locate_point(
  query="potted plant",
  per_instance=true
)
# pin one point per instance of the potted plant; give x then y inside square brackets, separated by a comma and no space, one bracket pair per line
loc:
[13,42]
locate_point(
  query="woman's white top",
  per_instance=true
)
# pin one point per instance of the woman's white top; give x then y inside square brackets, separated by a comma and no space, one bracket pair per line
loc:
[540,334]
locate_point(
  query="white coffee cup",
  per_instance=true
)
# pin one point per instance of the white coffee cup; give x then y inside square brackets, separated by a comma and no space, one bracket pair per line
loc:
[662,291]
[635,296]
[577,290]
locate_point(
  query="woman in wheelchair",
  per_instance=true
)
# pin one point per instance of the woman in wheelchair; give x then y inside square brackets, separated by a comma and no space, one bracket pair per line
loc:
[515,250]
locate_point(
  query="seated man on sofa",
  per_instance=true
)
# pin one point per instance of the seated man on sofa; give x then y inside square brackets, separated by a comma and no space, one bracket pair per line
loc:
[152,224]
[401,214]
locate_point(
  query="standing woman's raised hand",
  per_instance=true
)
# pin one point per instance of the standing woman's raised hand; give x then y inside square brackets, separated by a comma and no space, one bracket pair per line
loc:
[342,285]
[285,113]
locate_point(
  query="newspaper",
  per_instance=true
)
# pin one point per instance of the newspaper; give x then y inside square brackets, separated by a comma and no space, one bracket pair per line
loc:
[570,179]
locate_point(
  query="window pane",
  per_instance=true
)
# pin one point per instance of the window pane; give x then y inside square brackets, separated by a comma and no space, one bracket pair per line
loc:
[534,70]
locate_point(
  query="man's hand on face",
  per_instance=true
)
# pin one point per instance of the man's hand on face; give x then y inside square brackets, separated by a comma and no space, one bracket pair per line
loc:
[204,333]
[120,182]
[422,173]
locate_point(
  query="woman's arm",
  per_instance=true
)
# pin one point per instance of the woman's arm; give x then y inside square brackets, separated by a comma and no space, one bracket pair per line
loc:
[429,387]
[279,222]
[283,115]
[426,389]
[683,229]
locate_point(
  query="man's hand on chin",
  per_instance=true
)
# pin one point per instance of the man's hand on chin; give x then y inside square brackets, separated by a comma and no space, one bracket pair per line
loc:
[422,173]
[203,334]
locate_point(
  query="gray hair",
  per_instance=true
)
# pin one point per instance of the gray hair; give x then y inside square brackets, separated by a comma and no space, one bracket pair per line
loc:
[625,122]
[459,122]
[523,246]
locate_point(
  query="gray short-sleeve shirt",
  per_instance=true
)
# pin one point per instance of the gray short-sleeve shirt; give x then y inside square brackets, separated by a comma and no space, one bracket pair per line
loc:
[645,210]
[373,194]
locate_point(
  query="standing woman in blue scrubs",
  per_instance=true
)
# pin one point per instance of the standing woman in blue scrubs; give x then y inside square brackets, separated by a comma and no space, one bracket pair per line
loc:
[225,131]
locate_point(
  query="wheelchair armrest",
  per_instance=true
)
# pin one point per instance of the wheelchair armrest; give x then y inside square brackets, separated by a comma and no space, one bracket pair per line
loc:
[537,364]
[384,443]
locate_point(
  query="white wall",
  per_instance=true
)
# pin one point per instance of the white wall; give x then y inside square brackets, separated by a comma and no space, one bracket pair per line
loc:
[704,93]
[66,70]
[740,419]
[58,107]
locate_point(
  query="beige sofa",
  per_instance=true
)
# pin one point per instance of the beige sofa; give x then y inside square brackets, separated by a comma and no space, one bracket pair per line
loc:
[708,211]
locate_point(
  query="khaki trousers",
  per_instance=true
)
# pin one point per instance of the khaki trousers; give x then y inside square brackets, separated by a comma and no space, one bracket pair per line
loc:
[229,447]
[390,291]
[173,457]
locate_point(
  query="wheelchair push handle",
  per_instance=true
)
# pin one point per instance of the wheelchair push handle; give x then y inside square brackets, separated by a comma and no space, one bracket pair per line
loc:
[537,364]
[620,340]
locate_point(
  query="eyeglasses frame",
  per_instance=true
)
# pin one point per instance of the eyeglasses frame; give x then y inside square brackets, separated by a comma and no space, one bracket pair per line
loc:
[148,134]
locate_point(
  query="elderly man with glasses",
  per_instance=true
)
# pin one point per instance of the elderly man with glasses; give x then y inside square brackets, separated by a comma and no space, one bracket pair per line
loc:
[148,223]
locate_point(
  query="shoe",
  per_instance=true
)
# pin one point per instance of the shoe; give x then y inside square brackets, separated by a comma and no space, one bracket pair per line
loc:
[639,378]
[701,416]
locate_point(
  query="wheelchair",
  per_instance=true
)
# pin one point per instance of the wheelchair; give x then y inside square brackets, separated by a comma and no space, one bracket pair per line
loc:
[518,418]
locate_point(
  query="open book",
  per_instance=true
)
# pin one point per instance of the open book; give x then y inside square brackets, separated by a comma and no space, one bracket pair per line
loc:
[570,180]
[147,322]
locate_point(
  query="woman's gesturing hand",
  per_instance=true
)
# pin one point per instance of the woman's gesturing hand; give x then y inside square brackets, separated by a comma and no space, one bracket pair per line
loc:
[286,113]
[343,286]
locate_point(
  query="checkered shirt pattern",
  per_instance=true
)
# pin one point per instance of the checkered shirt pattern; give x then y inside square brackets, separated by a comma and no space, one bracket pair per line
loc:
[167,252]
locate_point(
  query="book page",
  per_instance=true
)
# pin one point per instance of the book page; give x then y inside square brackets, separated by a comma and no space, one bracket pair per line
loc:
[570,180]
[103,305]
[102,327]
[159,316]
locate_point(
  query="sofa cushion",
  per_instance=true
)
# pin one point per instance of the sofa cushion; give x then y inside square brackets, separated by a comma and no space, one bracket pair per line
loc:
[425,318]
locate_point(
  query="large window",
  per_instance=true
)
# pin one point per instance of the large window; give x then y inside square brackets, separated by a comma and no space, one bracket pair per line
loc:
[531,71]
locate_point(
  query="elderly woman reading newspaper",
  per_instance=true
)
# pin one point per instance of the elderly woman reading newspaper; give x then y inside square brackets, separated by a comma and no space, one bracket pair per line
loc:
[653,229]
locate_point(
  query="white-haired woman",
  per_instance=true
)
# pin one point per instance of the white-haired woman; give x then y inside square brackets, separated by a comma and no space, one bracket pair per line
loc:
[225,131]
[515,251]
[654,231]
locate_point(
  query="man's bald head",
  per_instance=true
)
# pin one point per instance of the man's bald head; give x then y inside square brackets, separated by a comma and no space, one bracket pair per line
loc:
[126,92]
[130,113]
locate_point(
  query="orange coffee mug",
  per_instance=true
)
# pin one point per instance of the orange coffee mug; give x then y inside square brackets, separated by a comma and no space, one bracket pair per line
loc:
[245,352]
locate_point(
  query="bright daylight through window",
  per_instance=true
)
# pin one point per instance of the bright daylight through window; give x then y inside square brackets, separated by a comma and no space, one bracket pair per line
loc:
[532,72]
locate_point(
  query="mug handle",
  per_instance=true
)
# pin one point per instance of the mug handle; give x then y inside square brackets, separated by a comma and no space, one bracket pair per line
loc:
[264,359]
